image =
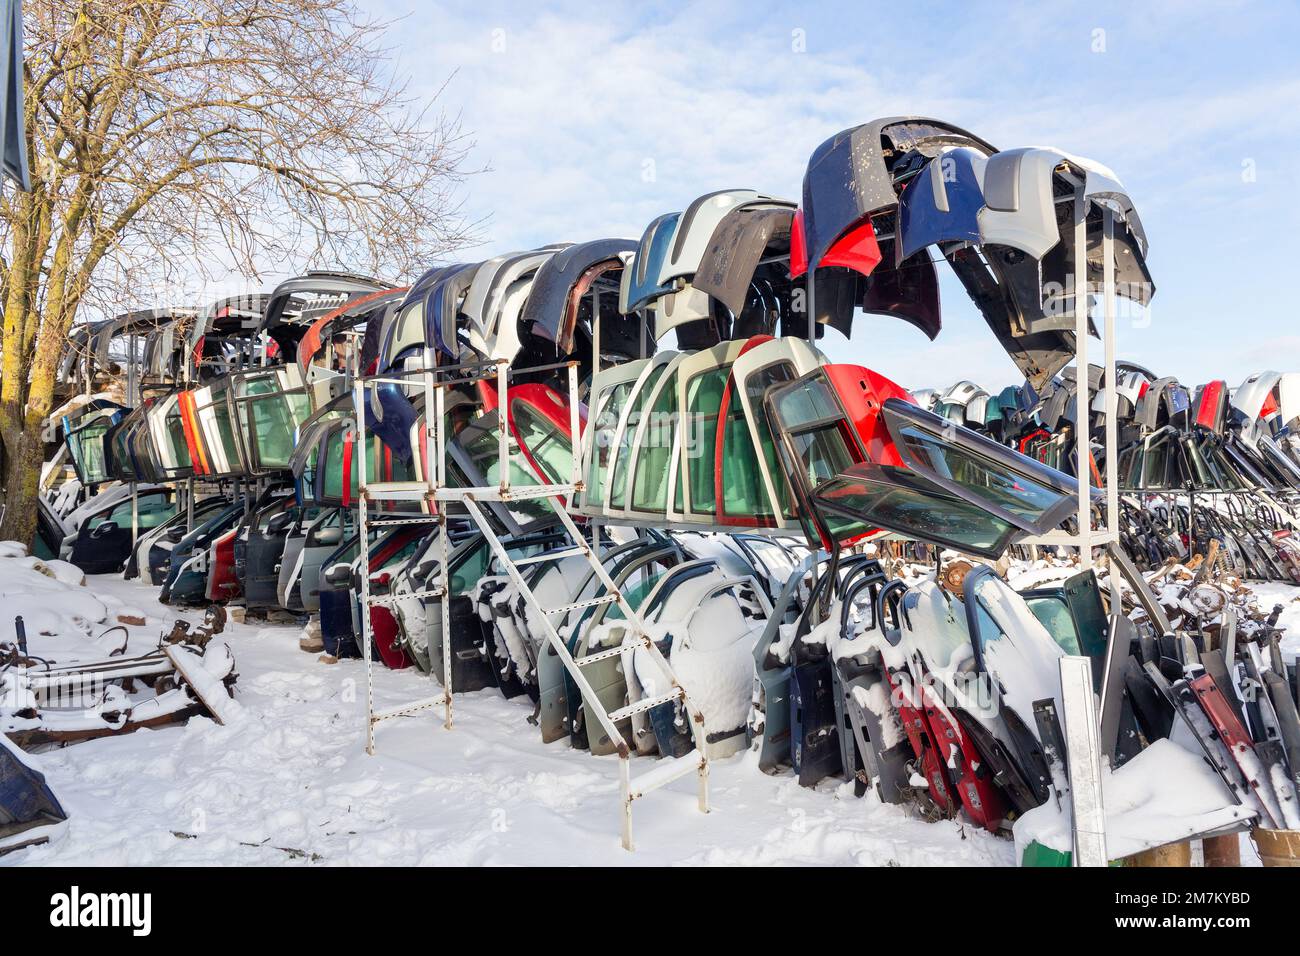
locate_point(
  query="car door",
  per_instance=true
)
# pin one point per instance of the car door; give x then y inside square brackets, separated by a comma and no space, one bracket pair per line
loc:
[266,537]
[652,491]
[187,578]
[610,390]
[334,598]
[750,486]
[701,383]
[291,558]
[923,477]
[323,535]
[104,539]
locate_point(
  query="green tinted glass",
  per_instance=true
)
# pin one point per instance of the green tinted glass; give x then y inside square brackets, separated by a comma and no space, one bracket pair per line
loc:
[650,482]
[756,387]
[603,428]
[636,589]
[176,437]
[472,570]
[809,401]
[703,400]
[547,445]
[480,442]
[1053,613]
[985,478]
[88,450]
[226,431]
[742,478]
[640,401]
[333,481]
[912,507]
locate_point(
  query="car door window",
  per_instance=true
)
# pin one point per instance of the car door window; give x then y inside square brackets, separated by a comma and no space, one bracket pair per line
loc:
[650,481]
[756,386]
[622,452]
[704,393]
[742,480]
[1054,614]
[547,445]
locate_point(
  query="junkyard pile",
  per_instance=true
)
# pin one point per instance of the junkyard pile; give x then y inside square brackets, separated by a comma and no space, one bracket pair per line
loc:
[620,485]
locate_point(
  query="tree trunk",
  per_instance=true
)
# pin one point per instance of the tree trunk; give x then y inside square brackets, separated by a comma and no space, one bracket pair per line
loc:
[24,449]
[23,460]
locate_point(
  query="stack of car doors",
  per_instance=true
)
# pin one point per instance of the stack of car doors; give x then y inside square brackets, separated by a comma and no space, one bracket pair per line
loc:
[85,433]
[1195,465]
[704,598]
[945,695]
[108,442]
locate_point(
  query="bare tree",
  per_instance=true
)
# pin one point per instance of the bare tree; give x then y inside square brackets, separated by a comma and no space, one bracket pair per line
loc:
[168,138]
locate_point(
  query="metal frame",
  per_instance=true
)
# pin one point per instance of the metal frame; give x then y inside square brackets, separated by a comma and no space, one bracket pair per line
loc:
[1086,537]
[433,489]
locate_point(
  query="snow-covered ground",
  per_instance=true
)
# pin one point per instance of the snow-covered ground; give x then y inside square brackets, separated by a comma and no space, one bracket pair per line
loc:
[288,781]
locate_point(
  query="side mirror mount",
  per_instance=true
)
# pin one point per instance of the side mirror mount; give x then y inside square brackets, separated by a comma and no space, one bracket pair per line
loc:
[339,576]
[329,536]
[281,523]
[103,528]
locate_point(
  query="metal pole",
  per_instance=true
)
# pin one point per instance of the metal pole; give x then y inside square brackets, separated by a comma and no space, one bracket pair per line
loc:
[432,415]
[1083,439]
[358,444]
[444,578]
[1112,402]
[575,429]
[438,438]
[132,381]
[133,400]
[503,436]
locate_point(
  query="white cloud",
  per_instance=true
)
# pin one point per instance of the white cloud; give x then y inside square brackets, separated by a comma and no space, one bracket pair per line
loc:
[580,99]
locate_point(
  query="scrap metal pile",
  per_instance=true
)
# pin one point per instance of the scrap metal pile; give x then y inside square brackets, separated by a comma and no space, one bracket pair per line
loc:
[48,702]
[61,685]
[405,464]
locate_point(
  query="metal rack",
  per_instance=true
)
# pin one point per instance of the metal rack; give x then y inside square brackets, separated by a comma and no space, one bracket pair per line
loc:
[1087,537]
[432,492]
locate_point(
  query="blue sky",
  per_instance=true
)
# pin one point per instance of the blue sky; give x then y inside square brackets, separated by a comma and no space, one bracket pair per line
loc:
[590,120]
